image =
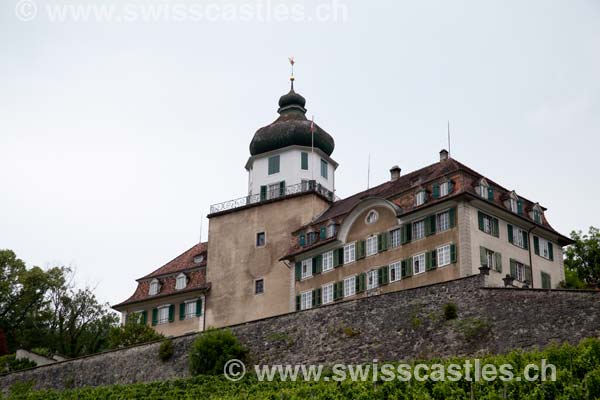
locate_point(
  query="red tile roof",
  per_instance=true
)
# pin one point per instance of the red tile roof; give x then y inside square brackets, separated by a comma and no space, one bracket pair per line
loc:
[167,275]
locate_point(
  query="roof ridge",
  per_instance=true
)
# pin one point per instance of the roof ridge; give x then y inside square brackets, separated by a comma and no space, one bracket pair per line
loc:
[174,259]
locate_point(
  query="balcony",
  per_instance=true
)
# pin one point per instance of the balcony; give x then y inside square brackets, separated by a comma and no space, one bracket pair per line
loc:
[268,194]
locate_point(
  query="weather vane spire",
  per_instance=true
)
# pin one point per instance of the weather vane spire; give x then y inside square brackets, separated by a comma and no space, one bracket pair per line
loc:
[292,62]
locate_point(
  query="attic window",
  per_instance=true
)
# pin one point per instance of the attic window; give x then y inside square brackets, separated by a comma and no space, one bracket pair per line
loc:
[420,198]
[181,282]
[154,287]
[372,217]
[198,259]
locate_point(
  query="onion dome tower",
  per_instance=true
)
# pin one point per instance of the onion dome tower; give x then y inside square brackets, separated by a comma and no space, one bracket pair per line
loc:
[291,150]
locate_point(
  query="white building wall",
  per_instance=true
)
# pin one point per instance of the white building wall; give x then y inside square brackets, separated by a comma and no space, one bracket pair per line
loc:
[290,169]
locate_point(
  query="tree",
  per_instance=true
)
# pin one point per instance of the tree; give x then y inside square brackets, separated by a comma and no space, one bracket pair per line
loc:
[131,333]
[583,256]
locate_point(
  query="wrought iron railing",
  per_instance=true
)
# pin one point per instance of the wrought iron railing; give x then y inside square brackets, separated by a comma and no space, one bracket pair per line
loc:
[273,193]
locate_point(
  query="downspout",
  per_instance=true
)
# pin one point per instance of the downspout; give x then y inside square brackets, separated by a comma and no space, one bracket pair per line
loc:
[530,256]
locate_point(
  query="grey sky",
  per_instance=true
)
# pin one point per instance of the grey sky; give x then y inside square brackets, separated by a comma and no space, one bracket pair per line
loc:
[116,137]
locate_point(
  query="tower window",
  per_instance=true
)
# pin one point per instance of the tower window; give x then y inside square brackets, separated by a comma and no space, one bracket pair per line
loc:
[273,165]
[259,286]
[304,160]
[260,239]
[324,167]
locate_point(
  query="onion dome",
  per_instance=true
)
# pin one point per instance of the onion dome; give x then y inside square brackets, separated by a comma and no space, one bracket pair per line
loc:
[291,128]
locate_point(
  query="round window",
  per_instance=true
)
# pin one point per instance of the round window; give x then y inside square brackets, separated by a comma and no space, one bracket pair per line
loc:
[372,217]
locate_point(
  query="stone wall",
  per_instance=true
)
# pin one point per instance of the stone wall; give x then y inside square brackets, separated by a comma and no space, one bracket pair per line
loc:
[396,326]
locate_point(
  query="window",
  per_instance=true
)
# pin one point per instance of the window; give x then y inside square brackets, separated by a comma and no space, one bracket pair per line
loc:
[350,286]
[483,191]
[490,259]
[274,190]
[418,230]
[537,216]
[395,271]
[198,259]
[324,168]
[304,160]
[327,291]
[488,224]
[190,309]
[306,300]
[371,245]
[395,238]
[518,237]
[349,253]
[443,256]
[260,239]
[513,205]
[443,221]
[544,248]
[259,286]
[419,263]
[520,272]
[420,198]
[444,189]
[154,287]
[372,217]
[330,230]
[546,281]
[181,282]
[327,261]
[311,237]
[307,268]
[163,315]
[273,165]
[372,279]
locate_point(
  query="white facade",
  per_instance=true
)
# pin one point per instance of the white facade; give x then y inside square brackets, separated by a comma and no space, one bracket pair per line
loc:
[290,169]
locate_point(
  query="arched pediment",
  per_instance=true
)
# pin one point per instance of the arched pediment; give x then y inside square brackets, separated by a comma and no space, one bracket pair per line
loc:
[382,206]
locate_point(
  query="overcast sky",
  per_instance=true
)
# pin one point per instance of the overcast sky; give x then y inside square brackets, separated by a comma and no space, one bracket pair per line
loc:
[116,136]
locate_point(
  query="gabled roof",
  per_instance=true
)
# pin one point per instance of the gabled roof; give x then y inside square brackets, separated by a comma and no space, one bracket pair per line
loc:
[182,262]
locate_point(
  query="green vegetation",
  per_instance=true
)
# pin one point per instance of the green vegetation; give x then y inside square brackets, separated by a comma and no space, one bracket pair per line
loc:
[450,311]
[578,377]
[165,351]
[582,260]
[211,350]
[131,333]
[9,363]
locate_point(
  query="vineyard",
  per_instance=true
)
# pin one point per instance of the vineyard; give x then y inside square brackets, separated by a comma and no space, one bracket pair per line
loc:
[578,377]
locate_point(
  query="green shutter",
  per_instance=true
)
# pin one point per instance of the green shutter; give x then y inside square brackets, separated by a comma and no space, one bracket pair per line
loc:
[525,240]
[453,257]
[480,218]
[181,311]
[495,227]
[282,188]
[298,270]
[317,264]
[498,261]
[382,242]
[450,186]
[408,228]
[144,317]
[319,293]
[436,191]
[490,193]
[546,281]
[427,261]
[302,240]
[360,249]
[452,217]
[323,233]
[340,289]
[520,207]
[403,270]
[550,251]
[528,275]
[434,258]
[510,234]
[304,160]
[298,304]
[513,268]
[314,297]
[483,256]
[198,307]
[154,316]
[263,192]
[409,266]
[357,286]
[171,313]
[336,258]
[362,281]
[430,225]
[341,255]
[384,273]
[536,245]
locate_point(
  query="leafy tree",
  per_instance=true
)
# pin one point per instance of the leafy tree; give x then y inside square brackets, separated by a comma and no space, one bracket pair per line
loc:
[131,333]
[583,256]
[212,349]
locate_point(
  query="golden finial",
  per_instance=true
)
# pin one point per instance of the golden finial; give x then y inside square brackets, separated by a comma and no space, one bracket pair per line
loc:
[292,62]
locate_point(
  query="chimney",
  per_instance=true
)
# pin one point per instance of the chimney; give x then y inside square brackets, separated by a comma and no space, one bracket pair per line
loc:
[395,173]
[443,155]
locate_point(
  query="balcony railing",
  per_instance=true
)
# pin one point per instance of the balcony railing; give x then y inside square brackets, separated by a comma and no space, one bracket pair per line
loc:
[273,192]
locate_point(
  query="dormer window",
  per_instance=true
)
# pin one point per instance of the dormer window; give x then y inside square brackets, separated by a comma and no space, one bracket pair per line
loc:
[372,217]
[154,287]
[420,198]
[515,204]
[484,190]
[311,238]
[198,259]
[443,189]
[536,214]
[331,230]
[181,282]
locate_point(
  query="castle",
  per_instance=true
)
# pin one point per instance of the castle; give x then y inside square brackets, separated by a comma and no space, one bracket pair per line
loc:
[290,244]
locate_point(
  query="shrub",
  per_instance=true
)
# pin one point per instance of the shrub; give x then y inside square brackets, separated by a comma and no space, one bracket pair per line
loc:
[450,311]
[132,333]
[212,349]
[9,363]
[165,351]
